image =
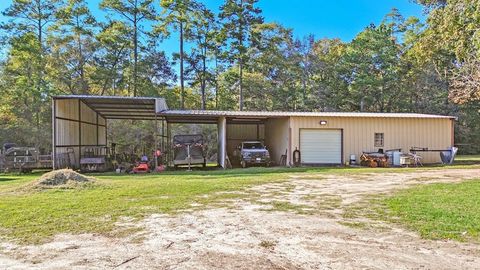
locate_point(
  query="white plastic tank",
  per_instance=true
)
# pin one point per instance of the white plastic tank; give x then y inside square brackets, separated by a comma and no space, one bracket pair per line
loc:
[396,158]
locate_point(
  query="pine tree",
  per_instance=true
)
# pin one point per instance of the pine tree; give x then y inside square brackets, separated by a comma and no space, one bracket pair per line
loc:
[134,12]
[203,34]
[177,16]
[29,23]
[74,44]
[239,17]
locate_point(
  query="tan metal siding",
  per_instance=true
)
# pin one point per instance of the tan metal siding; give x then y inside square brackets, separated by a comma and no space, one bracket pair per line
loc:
[276,137]
[88,115]
[245,131]
[102,135]
[89,134]
[101,121]
[67,132]
[237,133]
[67,108]
[404,133]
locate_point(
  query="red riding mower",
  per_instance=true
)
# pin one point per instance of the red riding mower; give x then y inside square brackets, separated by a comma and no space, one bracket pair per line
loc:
[142,166]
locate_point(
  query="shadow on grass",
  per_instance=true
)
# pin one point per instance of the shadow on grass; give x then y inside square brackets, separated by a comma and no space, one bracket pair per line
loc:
[215,172]
[262,171]
[7,178]
[467,160]
[230,172]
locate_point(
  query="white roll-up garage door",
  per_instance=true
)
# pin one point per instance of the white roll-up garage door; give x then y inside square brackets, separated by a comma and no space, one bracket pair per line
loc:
[321,146]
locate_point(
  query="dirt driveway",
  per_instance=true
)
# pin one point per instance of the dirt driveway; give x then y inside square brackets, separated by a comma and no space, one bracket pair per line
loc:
[311,232]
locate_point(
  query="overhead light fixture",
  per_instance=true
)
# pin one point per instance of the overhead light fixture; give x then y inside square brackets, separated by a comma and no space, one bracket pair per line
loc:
[323,122]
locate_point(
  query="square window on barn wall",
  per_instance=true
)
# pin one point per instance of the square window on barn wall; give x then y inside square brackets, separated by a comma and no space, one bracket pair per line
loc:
[378,139]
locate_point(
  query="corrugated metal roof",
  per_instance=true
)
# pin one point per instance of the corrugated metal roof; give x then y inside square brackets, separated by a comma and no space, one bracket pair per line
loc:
[120,107]
[212,113]
[103,97]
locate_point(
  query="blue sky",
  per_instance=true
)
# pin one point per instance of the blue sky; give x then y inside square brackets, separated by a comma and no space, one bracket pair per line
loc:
[337,18]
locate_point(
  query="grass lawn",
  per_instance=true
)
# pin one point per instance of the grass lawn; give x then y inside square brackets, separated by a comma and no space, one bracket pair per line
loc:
[36,216]
[439,211]
[467,159]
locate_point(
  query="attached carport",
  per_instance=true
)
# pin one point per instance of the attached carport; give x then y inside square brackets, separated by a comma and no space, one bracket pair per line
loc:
[271,128]
[80,123]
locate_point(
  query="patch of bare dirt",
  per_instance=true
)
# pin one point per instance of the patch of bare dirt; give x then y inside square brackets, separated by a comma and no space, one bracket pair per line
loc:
[249,236]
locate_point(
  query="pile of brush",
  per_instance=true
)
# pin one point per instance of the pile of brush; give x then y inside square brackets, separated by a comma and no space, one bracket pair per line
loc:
[65,178]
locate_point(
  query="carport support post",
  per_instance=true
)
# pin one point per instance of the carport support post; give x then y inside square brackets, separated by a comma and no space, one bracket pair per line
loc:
[222,141]
[54,133]
[169,150]
[156,142]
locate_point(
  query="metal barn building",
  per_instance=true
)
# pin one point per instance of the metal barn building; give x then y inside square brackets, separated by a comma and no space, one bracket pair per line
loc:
[321,137]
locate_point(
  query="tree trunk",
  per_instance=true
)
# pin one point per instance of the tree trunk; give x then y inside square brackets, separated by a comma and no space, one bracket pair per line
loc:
[83,85]
[204,79]
[40,69]
[182,87]
[241,85]
[135,52]
[81,61]
[305,78]
[216,81]
[240,62]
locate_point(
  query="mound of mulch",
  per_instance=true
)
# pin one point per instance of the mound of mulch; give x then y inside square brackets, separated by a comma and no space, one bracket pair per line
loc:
[65,178]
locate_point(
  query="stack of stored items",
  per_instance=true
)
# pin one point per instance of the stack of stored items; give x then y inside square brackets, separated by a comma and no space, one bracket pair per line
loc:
[374,160]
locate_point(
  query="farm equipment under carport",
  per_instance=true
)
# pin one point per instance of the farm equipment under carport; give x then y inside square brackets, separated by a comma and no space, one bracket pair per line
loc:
[23,159]
[94,159]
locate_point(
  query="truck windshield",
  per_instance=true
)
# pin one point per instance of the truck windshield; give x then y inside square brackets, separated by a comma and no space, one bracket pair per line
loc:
[252,146]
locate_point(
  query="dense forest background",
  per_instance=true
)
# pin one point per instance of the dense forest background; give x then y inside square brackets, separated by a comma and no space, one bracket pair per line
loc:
[235,60]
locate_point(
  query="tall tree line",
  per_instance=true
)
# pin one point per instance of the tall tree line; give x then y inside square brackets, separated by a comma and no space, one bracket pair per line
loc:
[234,59]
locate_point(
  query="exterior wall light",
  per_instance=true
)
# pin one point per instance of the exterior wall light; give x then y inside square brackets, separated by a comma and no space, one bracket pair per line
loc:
[323,122]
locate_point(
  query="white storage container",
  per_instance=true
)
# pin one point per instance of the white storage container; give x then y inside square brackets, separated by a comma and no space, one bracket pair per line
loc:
[396,158]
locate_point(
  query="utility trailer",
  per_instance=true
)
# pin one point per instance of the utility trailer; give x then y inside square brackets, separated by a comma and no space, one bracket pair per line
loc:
[23,159]
[189,150]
